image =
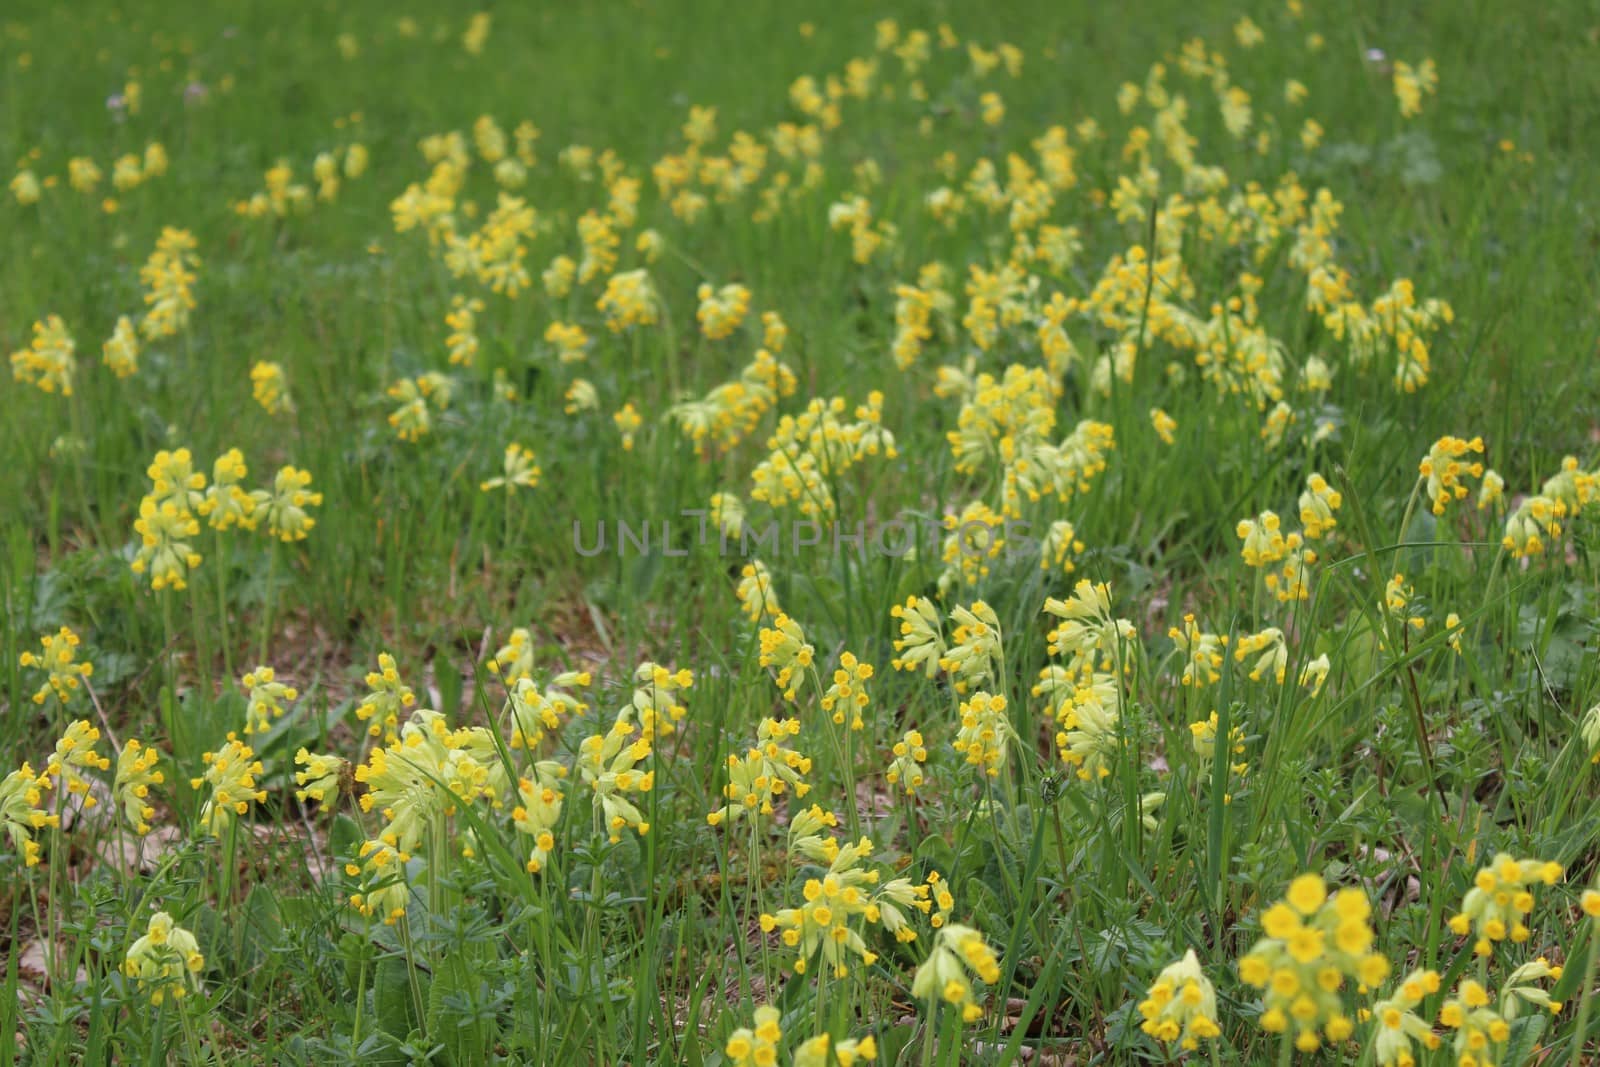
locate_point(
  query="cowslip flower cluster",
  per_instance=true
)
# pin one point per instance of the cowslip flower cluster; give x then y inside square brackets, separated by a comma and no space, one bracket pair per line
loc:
[807,451]
[73,754]
[721,311]
[231,775]
[825,925]
[269,386]
[285,506]
[64,674]
[657,700]
[137,771]
[607,763]
[1397,1025]
[1480,1029]
[1445,468]
[50,361]
[169,277]
[784,649]
[22,813]
[538,811]
[921,644]
[387,698]
[986,733]
[848,691]
[755,594]
[1312,945]
[519,471]
[265,699]
[959,953]
[165,960]
[768,769]
[1497,905]
[322,778]
[1181,1005]
[906,769]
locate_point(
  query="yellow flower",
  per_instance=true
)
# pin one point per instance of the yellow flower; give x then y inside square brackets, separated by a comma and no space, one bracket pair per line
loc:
[959,951]
[322,777]
[1181,1005]
[120,353]
[285,506]
[265,699]
[166,960]
[231,773]
[1164,424]
[270,388]
[137,771]
[768,769]
[520,471]
[49,362]
[627,421]
[63,674]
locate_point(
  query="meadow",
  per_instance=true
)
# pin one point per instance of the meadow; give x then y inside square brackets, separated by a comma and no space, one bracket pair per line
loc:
[800,534]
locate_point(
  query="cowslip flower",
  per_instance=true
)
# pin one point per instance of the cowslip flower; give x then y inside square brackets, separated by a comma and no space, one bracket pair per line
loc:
[164,549]
[270,388]
[1165,425]
[387,697]
[538,811]
[137,771]
[721,310]
[323,776]
[823,1051]
[50,360]
[757,1047]
[166,960]
[627,421]
[1500,899]
[520,471]
[905,770]
[920,645]
[265,699]
[629,300]
[767,770]
[226,503]
[75,753]
[849,690]
[580,396]
[1479,1027]
[569,340]
[784,648]
[656,698]
[1181,1005]
[608,764]
[1270,650]
[285,506]
[958,951]
[1444,470]
[826,924]
[1202,653]
[755,594]
[1317,505]
[22,814]
[985,734]
[975,650]
[1396,1023]
[58,659]
[120,353]
[231,773]
[1264,543]
[173,480]
[1311,944]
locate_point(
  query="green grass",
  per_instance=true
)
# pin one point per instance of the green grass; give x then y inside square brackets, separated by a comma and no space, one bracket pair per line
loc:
[1412,767]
